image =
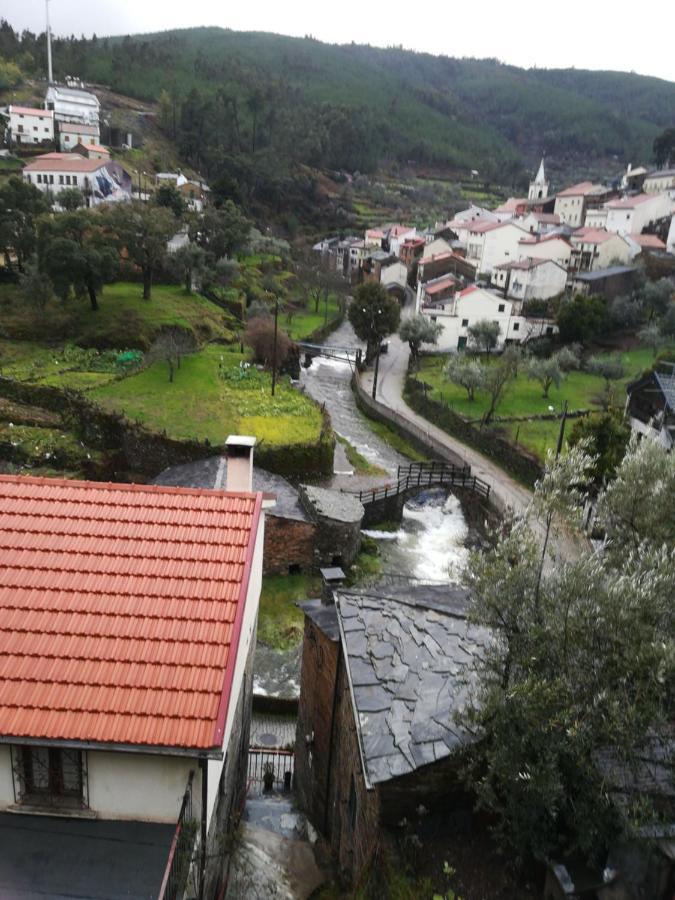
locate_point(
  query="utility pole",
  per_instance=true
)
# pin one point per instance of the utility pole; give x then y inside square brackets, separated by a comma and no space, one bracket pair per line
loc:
[562,431]
[274,350]
[50,74]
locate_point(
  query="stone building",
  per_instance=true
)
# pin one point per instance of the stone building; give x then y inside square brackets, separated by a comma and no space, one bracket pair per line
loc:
[382,679]
[337,519]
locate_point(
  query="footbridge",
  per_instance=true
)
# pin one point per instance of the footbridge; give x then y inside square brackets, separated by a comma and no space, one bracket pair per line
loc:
[349,355]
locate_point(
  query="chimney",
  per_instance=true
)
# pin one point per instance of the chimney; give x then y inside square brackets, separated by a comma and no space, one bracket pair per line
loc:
[239,452]
[331,579]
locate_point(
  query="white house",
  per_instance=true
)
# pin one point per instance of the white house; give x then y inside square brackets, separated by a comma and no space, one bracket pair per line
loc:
[594,249]
[539,223]
[572,203]
[670,242]
[643,243]
[99,180]
[530,279]
[474,304]
[493,244]
[73,133]
[596,218]
[437,246]
[397,235]
[662,181]
[128,630]
[394,275]
[72,104]
[548,246]
[631,215]
[510,209]
[28,125]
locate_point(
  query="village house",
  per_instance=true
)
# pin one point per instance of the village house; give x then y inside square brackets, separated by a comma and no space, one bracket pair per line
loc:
[396,235]
[375,237]
[28,125]
[631,215]
[633,178]
[431,293]
[437,246]
[382,679]
[650,406]
[644,243]
[100,180]
[513,208]
[597,249]
[412,250]
[73,133]
[662,181]
[539,223]
[374,263]
[195,195]
[530,279]
[596,218]
[127,635]
[92,151]
[394,278]
[492,244]
[549,246]
[572,204]
[475,304]
[446,263]
[73,104]
[608,283]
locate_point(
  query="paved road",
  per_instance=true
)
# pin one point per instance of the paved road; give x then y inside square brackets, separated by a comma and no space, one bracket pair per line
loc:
[509,493]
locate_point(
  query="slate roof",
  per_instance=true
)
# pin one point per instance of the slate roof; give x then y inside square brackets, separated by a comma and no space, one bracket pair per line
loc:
[411,661]
[336,505]
[601,274]
[120,610]
[667,385]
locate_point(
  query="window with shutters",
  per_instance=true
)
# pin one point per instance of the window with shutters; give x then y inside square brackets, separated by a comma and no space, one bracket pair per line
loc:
[50,777]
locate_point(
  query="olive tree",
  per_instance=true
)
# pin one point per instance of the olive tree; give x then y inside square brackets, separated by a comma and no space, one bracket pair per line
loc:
[464,372]
[484,335]
[418,330]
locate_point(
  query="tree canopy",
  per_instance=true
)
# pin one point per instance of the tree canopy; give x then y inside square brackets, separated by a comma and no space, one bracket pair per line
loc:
[373,314]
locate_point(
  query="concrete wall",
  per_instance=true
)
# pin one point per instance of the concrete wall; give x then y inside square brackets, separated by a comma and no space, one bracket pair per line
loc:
[556,249]
[6,779]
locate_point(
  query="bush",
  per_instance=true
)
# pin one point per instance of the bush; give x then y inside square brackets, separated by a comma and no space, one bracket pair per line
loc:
[259,336]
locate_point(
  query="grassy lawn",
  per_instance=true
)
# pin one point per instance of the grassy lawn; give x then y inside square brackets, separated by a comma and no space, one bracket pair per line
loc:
[357,460]
[37,364]
[581,390]
[307,321]
[280,622]
[123,320]
[199,404]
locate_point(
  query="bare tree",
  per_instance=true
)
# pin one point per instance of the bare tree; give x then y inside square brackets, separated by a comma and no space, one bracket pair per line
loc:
[170,346]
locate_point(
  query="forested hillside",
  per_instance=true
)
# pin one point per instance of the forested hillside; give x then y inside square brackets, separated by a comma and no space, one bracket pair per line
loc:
[234,100]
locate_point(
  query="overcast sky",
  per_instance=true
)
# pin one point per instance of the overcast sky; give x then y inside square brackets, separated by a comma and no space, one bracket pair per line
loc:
[580,33]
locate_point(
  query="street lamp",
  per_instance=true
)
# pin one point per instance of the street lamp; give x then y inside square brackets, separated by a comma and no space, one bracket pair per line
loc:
[377,352]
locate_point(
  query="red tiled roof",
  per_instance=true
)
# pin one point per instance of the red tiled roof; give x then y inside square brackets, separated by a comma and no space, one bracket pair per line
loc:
[578,190]
[63,162]
[120,610]
[398,230]
[98,148]
[436,257]
[32,111]
[469,290]
[536,239]
[649,241]
[630,202]
[511,205]
[438,286]
[593,235]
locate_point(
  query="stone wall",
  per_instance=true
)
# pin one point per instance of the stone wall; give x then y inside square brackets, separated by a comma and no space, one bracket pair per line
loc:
[288,542]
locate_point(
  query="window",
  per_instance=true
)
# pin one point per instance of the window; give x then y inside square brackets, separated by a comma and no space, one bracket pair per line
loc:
[516,326]
[20,129]
[74,179]
[49,776]
[60,179]
[501,307]
[433,318]
[39,179]
[465,323]
[549,329]
[67,179]
[51,179]
[35,128]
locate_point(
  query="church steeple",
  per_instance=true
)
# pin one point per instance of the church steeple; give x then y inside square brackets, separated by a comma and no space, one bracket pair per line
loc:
[539,187]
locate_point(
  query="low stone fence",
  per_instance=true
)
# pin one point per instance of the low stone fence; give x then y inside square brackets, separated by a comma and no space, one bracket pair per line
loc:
[135,449]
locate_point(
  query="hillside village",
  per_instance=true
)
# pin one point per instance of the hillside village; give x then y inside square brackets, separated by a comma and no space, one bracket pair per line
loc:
[331,567]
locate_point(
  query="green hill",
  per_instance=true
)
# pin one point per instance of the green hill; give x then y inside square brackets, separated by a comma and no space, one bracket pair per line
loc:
[234,97]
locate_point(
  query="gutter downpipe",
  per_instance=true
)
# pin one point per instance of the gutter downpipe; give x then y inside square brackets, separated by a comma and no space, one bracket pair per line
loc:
[203,765]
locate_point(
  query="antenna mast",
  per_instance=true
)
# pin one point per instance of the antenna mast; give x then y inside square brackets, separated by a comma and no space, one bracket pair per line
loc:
[50,74]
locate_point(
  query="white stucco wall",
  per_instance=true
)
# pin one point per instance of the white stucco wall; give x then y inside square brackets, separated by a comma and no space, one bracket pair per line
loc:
[6,779]
[554,248]
[633,220]
[572,210]
[36,128]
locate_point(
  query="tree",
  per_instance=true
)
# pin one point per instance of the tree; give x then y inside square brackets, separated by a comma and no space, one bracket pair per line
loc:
[35,286]
[259,336]
[656,297]
[222,232]
[664,148]
[170,346]
[70,199]
[575,689]
[21,204]
[418,330]
[484,335]
[651,335]
[465,372]
[373,315]
[496,380]
[581,319]
[546,371]
[143,230]
[626,311]
[76,250]
[611,368]
[190,259]
[605,435]
[168,196]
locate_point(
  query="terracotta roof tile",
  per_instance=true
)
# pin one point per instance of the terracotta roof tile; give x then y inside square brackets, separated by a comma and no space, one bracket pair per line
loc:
[118,610]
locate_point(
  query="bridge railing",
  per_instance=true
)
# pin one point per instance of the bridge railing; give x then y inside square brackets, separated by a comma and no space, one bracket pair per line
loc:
[419,476]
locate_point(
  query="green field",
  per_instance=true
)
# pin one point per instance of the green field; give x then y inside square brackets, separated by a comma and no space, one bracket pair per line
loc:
[280,621]
[123,320]
[524,398]
[201,405]
[306,321]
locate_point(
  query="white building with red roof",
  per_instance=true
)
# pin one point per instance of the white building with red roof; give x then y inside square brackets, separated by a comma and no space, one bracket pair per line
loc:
[631,215]
[547,246]
[530,279]
[29,125]
[127,631]
[73,133]
[572,203]
[100,180]
[457,314]
[595,248]
[491,244]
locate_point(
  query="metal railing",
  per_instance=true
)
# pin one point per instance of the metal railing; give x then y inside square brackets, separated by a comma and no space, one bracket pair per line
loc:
[272,767]
[420,475]
[180,853]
